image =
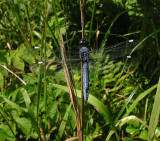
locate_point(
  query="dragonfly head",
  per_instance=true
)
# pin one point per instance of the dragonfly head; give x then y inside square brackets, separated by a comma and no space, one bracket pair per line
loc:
[83,42]
[84,52]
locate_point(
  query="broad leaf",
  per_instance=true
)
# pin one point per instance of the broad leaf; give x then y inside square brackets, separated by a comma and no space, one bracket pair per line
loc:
[18,63]
[24,124]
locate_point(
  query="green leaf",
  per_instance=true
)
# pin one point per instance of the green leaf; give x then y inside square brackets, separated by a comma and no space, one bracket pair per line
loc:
[93,101]
[63,123]
[7,120]
[139,98]
[5,133]
[126,103]
[2,134]
[155,114]
[18,63]
[121,111]
[144,135]
[52,109]
[158,131]
[27,54]
[26,98]
[37,34]
[24,124]
[29,114]
[4,57]
[132,130]
[14,105]
[72,119]
[1,81]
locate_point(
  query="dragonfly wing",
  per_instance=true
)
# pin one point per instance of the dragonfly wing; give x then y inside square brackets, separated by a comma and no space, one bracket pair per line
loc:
[108,55]
[117,51]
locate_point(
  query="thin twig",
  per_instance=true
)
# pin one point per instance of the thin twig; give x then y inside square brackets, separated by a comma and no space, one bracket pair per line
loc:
[82,8]
[65,23]
[8,45]
[13,74]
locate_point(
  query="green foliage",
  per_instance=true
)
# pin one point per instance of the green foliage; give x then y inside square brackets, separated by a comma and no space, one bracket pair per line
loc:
[24,125]
[2,80]
[155,115]
[35,104]
[6,133]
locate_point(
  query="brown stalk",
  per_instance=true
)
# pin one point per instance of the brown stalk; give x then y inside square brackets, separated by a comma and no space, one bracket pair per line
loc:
[70,87]
[82,9]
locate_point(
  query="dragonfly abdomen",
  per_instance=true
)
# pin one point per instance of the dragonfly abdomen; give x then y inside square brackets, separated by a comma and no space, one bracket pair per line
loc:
[85,72]
[85,81]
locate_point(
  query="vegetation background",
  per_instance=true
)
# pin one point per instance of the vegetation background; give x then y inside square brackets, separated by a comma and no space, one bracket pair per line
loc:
[34,101]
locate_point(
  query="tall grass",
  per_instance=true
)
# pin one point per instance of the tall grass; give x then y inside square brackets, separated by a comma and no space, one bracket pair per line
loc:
[41,109]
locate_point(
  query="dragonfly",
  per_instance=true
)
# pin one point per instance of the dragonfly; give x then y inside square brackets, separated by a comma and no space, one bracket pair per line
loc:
[84,53]
[117,52]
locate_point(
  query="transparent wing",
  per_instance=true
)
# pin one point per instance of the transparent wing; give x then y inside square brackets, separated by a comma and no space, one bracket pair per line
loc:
[116,51]
[108,55]
[120,50]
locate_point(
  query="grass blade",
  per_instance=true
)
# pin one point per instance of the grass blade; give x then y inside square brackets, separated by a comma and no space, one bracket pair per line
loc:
[93,101]
[126,103]
[155,114]
[63,123]
[139,98]
[39,89]
[53,36]
[111,132]
[91,24]
[26,98]
[29,23]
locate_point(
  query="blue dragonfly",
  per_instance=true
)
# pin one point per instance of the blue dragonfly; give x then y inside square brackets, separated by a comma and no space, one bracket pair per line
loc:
[89,59]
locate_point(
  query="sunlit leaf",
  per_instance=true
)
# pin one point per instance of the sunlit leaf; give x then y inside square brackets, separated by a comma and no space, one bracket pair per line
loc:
[18,63]
[24,124]
[63,123]
[1,80]
[155,114]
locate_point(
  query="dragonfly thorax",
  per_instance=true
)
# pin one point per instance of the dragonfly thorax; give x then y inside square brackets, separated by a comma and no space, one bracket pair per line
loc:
[84,52]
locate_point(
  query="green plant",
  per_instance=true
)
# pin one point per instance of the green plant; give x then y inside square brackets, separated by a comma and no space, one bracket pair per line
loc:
[34,101]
